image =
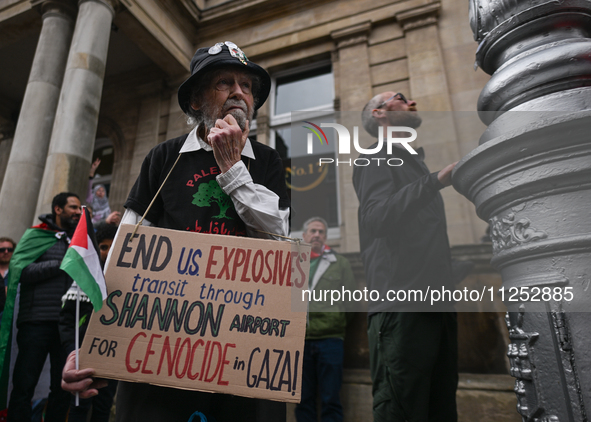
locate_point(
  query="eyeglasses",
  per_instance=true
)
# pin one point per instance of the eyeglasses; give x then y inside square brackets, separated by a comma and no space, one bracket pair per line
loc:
[398,96]
[226,84]
[6,250]
[104,247]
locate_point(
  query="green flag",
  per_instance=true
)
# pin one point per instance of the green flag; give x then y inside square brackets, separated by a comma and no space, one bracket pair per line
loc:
[32,245]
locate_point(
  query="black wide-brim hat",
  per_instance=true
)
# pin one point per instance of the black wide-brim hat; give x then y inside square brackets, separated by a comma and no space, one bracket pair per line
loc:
[222,55]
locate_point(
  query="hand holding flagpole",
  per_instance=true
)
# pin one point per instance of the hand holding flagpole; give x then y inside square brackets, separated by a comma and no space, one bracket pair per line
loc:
[82,263]
[77,336]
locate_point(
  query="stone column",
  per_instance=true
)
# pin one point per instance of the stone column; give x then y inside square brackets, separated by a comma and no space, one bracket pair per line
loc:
[353,85]
[20,187]
[74,130]
[351,66]
[428,87]
[530,178]
[428,81]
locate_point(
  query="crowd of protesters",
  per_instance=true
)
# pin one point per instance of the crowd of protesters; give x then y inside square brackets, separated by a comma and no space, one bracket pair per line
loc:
[42,308]
[220,99]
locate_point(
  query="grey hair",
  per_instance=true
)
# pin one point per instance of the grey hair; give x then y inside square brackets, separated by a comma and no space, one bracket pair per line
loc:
[369,122]
[313,219]
[196,117]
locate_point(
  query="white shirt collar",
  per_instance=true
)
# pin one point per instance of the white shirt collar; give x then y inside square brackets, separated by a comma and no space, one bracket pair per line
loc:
[195,143]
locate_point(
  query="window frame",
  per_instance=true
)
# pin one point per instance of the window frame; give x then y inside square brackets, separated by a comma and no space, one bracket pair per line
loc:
[283,121]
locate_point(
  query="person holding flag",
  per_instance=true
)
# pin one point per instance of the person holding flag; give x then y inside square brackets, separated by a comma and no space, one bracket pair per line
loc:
[78,307]
[35,265]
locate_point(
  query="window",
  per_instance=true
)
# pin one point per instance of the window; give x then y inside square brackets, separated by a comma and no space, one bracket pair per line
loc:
[306,95]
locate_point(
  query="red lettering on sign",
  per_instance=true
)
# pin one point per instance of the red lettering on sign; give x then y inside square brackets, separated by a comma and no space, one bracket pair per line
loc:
[211,262]
[130,369]
[149,352]
[197,344]
[215,344]
[170,358]
[238,261]
[227,260]
[224,363]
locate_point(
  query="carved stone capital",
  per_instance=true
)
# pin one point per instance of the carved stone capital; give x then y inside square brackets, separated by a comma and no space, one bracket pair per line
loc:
[352,35]
[334,56]
[62,8]
[113,5]
[419,16]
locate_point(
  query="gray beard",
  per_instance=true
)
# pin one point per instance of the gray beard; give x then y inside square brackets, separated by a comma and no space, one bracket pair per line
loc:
[240,117]
[211,115]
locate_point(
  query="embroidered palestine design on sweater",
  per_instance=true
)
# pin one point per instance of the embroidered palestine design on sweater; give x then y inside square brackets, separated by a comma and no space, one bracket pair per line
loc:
[210,193]
[215,209]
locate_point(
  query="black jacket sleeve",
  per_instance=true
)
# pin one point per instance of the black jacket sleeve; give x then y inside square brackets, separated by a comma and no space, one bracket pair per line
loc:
[37,272]
[385,203]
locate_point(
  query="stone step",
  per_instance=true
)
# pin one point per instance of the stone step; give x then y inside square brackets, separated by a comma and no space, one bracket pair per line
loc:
[480,397]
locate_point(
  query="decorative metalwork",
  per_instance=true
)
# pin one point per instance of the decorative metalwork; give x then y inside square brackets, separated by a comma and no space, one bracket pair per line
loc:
[537,52]
[569,365]
[520,353]
[505,232]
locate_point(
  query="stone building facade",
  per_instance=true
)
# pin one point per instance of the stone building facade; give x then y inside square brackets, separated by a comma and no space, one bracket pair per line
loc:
[99,78]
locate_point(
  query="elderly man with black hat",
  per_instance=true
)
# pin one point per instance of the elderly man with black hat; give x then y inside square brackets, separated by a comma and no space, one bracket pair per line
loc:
[215,163]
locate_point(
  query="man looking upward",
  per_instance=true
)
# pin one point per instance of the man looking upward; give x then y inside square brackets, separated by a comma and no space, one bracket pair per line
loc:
[404,245]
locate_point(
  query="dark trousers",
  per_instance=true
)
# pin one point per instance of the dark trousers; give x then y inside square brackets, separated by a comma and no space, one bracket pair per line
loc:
[414,366]
[138,402]
[322,374]
[101,405]
[35,340]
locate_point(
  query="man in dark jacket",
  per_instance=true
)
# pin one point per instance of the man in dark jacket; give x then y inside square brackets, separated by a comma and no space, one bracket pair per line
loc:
[42,286]
[404,246]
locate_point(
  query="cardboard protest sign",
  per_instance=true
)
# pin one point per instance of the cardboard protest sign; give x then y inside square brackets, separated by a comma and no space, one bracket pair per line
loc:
[202,312]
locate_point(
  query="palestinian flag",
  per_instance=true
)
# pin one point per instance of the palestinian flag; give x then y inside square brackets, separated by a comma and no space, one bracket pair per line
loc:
[32,245]
[82,263]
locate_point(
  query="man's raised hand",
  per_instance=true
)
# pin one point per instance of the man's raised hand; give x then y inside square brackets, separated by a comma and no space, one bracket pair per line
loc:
[227,141]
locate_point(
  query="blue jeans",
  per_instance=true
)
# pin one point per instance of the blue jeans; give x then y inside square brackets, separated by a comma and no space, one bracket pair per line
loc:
[323,373]
[36,340]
